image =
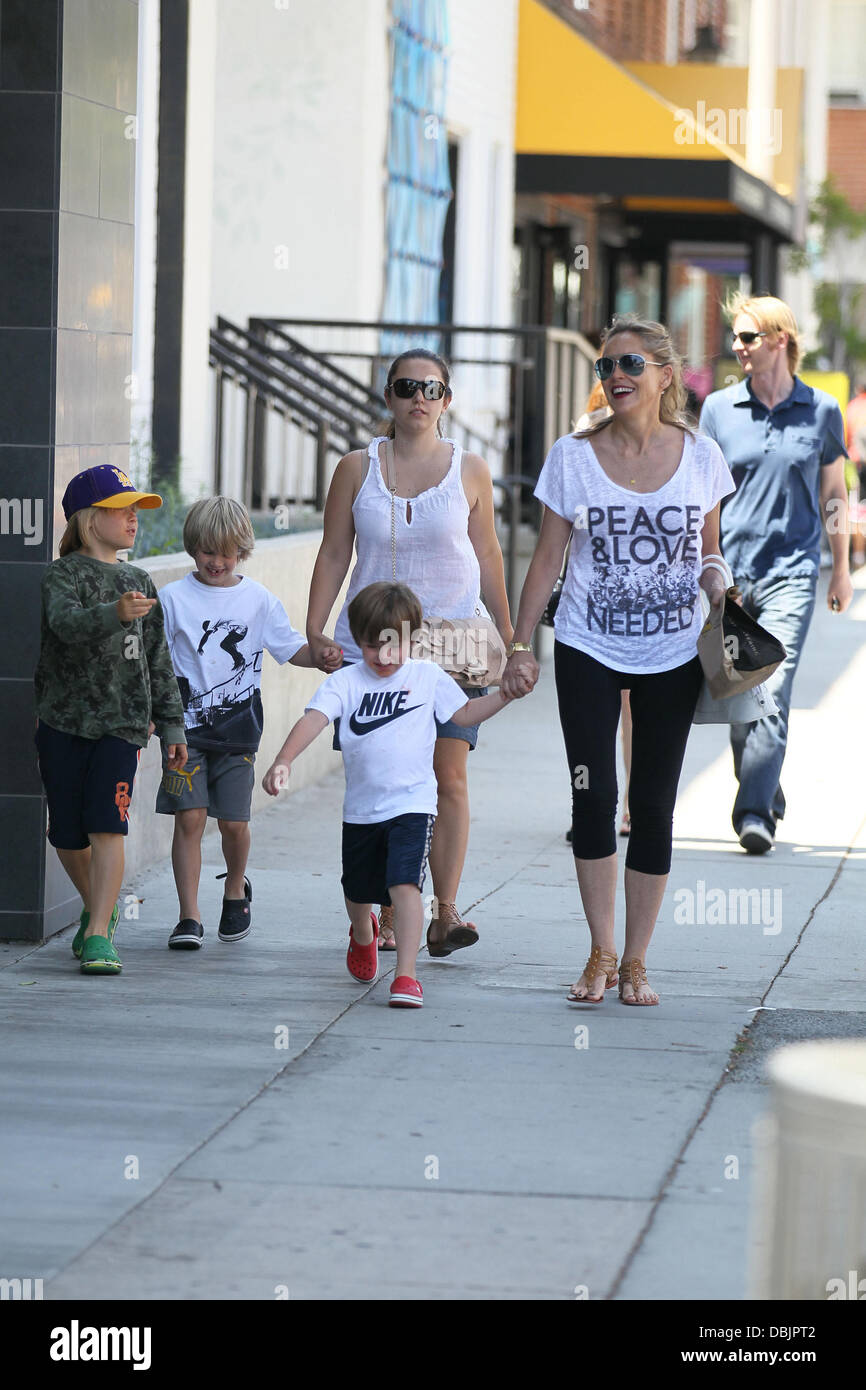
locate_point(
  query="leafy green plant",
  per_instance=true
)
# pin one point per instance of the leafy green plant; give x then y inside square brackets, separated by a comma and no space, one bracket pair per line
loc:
[838,301]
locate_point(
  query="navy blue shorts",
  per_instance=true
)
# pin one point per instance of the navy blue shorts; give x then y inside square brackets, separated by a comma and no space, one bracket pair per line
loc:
[88,784]
[388,852]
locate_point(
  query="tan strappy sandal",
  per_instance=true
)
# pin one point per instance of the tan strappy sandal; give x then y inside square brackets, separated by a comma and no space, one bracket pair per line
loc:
[633,972]
[599,963]
[387,940]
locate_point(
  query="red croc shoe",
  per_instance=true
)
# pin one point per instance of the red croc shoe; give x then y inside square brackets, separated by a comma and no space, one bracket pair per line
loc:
[363,961]
[406,993]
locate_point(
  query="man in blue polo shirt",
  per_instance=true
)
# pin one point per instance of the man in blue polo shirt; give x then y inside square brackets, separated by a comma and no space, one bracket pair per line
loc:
[784,442]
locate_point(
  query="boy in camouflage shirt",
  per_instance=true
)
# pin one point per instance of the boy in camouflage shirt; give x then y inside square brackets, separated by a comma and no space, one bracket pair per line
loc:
[103,682]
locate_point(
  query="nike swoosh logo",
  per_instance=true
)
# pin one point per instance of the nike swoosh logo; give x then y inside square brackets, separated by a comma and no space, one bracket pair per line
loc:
[377,723]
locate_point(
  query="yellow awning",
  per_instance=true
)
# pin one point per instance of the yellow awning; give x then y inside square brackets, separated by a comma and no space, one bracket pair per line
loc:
[586,126]
[718,96]
[572,99]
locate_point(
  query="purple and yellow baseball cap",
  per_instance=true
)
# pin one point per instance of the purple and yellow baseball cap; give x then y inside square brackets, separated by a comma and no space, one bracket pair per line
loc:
[104,486]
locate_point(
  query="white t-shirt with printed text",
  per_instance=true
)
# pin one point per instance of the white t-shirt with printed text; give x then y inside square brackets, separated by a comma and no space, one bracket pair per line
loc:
[387,735]
[630,596]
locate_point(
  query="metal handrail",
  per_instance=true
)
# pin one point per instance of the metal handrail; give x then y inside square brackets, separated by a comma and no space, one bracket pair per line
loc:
[550,377]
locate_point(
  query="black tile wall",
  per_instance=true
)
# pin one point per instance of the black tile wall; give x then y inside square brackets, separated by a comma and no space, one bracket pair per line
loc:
[26,269]
[25,372]
[22,855]
[67,174]
[28,173]
[22,610]
[19,773]
[28,45]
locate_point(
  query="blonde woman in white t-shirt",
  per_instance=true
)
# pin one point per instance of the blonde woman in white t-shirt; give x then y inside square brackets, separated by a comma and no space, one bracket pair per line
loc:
[639,495]
[447,552]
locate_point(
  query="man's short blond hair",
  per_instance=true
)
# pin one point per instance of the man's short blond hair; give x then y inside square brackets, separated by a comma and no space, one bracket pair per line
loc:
[773,316]
[218,525]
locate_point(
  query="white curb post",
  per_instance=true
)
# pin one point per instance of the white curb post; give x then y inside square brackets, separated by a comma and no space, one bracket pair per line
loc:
[809,1208]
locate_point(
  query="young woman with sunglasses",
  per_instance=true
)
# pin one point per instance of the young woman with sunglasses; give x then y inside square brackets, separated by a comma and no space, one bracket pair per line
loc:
[448,554]
[639,495]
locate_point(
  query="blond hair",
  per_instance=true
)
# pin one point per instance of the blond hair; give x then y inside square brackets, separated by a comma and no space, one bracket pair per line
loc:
[657,341]
[218,525]
[79,530]
[773,316]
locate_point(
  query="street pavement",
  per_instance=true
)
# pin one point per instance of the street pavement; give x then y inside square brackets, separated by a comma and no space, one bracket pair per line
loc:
[247,1122]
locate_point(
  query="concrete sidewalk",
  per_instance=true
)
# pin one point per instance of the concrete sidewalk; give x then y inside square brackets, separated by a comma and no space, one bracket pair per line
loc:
[245,1122]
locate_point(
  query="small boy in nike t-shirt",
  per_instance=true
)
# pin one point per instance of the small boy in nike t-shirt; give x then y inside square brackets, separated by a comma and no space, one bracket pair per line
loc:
[387,705]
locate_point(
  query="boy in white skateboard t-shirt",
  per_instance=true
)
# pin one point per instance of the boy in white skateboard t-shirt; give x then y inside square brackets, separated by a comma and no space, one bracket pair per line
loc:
[387,705]
[218,625]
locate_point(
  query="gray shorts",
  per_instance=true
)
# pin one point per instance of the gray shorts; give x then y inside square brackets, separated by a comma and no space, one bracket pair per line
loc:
[222,782]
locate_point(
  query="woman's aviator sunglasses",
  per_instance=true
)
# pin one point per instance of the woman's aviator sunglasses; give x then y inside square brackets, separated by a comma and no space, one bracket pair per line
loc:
[632,364]
[431,389]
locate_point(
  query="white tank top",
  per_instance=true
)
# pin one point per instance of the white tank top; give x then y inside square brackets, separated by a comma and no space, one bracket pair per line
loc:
[435,556]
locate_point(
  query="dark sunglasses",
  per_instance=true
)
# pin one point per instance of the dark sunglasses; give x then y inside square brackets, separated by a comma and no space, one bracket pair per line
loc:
[747,338]
[631,362]
[406,386]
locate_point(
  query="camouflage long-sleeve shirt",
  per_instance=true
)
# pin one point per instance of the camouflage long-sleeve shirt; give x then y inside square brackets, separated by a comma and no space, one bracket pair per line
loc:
[97,675]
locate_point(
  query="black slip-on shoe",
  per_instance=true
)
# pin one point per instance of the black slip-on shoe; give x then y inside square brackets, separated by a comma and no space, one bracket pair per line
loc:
[235,920]
[188,935]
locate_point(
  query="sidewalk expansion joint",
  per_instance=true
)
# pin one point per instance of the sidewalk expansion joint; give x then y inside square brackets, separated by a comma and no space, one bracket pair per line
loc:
[665,1184]
[517,872]
[130,1211]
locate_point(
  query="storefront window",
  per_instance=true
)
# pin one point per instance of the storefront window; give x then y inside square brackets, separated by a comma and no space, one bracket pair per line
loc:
[700,277]
[638,288]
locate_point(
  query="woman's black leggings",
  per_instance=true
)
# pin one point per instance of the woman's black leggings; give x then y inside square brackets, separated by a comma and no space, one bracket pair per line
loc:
[662,706]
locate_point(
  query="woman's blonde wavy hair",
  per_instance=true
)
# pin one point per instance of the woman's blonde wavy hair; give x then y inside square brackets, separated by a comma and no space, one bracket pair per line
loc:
[659,347]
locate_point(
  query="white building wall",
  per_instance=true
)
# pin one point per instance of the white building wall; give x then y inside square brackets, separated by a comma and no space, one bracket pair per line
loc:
[480,113]
[196,426]
[299,139]
[807,46]
[299,159]
[144,275]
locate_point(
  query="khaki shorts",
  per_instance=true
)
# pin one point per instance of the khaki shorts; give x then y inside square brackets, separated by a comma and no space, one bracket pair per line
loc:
[222,782]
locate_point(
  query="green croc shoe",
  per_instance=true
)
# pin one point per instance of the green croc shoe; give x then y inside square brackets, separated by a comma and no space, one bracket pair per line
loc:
[84,919]
[99,957]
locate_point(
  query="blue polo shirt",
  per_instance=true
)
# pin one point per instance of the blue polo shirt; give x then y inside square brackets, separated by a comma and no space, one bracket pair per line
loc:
[771,526]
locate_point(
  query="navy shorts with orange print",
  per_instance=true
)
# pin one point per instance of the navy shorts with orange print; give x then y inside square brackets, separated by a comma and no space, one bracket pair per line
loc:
[88,784]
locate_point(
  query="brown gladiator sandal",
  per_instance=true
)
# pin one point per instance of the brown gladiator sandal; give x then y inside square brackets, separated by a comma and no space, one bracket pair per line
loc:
[633,972]
[459,933]
[600,963]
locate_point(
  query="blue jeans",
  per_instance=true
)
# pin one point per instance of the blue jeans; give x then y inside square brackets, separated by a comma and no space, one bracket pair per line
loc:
[784,607]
